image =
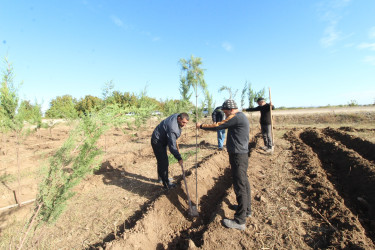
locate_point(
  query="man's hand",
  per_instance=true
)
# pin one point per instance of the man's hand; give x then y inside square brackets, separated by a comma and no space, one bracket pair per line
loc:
[198,125]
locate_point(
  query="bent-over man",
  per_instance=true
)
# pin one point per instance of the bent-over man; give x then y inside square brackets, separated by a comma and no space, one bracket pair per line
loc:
[166,134]
[237,146]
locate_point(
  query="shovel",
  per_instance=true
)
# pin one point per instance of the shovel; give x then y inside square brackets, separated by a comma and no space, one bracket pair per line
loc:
[193,212]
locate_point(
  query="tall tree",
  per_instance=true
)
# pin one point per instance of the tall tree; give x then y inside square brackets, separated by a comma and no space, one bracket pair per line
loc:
[184,89]
[192,75]
[208,101]
[251,96]
[8,93]
[254,95]
[88,104]
[62,107]
[243,93]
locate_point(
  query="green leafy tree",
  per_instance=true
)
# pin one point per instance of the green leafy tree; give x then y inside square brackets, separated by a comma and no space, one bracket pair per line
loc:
[208,102]
[88,104]
[353,103]
[8,93]
[170,106]
[31,113]
[254,95]
[107,92]
[62,107]
[193,76]
[145,106]
[78,157]
[251,96]
[184,89]
[261,94]
[243,95]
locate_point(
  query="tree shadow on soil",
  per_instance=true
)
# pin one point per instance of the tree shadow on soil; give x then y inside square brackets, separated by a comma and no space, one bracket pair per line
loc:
[137,184]
[201,146]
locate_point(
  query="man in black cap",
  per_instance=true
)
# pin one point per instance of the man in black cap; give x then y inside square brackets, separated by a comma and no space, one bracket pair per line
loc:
[265,123]
[237,146]
[166,134]
[218,116]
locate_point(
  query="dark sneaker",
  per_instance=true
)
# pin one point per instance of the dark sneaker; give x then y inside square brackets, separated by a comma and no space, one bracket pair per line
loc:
[233,224]
[161,182]
[170,186]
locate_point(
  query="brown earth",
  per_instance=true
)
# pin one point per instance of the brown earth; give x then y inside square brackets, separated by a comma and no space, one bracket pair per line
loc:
[315,191]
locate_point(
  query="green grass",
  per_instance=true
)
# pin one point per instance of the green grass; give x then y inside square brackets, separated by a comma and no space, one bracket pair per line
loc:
[184,156]
[7,178]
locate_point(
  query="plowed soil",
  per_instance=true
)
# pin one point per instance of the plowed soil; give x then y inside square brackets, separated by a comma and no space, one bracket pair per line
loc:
[316,191]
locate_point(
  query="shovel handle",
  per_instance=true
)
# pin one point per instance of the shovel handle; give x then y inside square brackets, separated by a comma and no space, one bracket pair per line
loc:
[187,191]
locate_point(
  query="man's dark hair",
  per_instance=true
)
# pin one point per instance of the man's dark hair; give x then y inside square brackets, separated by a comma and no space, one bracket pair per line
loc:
[184,116]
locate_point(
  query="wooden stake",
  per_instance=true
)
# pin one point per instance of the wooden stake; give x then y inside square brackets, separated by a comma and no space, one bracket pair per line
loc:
[15,198]
[273,139]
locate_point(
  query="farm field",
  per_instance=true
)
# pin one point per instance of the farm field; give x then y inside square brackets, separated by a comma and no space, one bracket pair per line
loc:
[317,190]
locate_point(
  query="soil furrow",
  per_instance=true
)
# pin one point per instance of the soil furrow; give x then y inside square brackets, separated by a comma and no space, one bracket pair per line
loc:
[167,217]
[352,176]
[340,227]
[365,148]
[109,172]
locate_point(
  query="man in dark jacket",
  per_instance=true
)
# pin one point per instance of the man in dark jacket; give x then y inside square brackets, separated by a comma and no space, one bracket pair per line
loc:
[166,134]
[218,116]
[265,123]
[237,146]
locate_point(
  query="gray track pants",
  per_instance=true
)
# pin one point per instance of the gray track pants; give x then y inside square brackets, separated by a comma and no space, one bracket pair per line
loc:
[267,136]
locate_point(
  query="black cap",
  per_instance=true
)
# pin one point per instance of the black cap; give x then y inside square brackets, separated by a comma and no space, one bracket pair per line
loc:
[260,99]
[229,104]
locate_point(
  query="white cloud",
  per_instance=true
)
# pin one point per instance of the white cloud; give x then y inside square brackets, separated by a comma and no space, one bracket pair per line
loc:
[331,36]
[330,12]
[117,21]
[370,60]
[370,46]
[227,46]
[150,35]
[371,33]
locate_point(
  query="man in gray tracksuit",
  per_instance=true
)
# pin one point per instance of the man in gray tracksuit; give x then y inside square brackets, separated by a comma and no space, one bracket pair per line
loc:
[166,134]
[238,147]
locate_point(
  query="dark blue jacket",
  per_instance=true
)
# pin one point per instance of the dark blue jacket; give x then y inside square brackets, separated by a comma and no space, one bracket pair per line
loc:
[166,133]
[218,115]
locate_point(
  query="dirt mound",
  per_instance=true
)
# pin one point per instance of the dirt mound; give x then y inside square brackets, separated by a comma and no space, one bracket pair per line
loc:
[325,199]
[363,147]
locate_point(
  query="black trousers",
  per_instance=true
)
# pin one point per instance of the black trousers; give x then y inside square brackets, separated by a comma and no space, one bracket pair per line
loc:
[160,152]
[239,164]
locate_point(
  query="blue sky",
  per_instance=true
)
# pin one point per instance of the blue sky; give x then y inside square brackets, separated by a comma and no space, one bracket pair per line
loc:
[310,53]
